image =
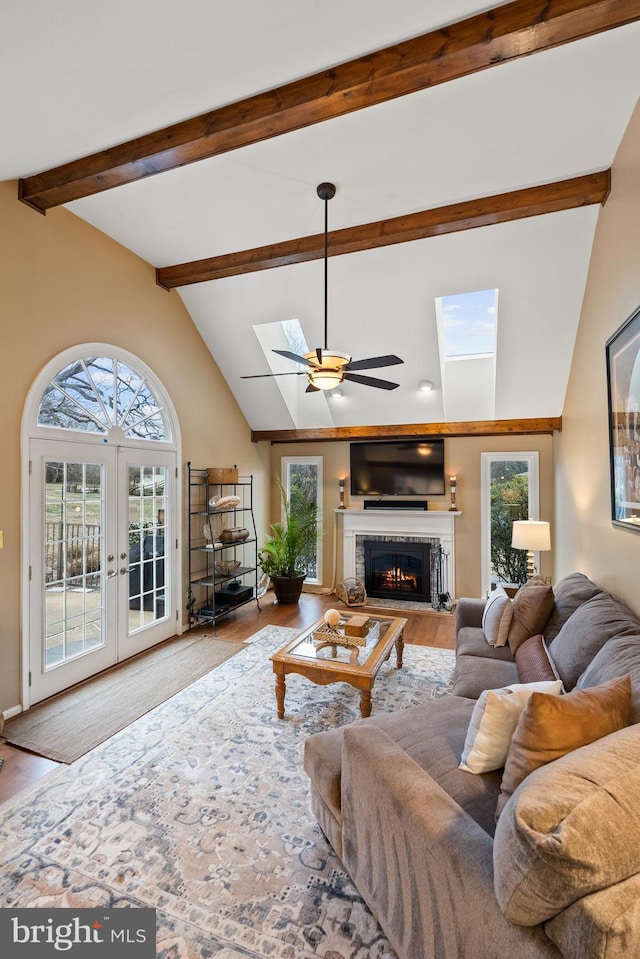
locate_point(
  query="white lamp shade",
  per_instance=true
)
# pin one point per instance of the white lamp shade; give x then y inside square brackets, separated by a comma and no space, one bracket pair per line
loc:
[531,534]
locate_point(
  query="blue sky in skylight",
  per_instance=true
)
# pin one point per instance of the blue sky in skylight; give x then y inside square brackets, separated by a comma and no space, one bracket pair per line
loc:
[469,323]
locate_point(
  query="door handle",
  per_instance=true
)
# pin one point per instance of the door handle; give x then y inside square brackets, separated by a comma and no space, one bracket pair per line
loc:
[111,573]
[123,570]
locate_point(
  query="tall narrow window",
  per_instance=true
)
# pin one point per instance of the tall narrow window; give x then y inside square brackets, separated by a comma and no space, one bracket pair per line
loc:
[509,492]
[302,479]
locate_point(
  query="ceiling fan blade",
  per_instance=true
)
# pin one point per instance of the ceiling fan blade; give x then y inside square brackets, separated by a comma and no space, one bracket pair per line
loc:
[371,381]
[294,357]
[374,362]
[260,376]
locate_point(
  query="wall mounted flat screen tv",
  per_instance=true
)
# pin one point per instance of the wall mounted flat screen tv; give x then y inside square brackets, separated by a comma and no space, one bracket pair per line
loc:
[412,467]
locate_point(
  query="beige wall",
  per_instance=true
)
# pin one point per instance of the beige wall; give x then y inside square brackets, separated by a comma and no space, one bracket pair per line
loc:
[462,459]
[65,283]
[585,537]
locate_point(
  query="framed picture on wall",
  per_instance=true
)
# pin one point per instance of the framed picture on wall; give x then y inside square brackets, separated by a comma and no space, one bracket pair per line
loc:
[623,383]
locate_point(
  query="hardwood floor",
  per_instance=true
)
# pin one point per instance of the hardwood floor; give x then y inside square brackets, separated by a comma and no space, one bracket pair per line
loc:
[428,628]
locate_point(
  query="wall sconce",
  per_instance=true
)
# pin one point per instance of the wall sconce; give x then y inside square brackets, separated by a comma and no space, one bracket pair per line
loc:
[453,485]
[341,489]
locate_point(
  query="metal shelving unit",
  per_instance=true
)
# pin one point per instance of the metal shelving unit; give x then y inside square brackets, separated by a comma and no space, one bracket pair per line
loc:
[214,594]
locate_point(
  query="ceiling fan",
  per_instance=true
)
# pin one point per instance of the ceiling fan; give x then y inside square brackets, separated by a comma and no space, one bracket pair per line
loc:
[327,369]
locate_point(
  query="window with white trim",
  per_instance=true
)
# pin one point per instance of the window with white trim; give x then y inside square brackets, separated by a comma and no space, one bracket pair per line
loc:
[509,491]
[302,477]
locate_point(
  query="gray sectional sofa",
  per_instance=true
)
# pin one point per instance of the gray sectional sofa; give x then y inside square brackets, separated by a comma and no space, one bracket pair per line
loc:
[560,873]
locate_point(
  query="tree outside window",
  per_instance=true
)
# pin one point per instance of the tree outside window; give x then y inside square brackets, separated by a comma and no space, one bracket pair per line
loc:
[509,493]
[302,481]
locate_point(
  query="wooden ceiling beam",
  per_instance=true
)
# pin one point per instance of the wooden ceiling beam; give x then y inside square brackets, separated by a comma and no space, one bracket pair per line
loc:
[466,215]
[523,427]
[485,40]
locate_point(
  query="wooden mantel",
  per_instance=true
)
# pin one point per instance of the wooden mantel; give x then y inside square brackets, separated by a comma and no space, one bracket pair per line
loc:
[551,424]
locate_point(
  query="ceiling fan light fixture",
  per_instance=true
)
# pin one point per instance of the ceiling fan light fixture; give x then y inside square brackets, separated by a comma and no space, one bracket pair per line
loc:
[331,359]
[425,386]
[324,379]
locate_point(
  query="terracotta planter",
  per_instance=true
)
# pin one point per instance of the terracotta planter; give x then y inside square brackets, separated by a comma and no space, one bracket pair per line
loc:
[287,588]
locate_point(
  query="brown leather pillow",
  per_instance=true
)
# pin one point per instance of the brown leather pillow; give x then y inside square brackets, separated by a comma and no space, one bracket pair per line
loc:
[551,726]
[533,661]
[532,607]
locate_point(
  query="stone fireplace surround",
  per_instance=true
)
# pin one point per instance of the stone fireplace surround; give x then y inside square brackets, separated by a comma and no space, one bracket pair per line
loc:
[395,525]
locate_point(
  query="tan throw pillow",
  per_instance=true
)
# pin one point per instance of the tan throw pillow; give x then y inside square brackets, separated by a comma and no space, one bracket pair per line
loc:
[534,662]
[493,721]
[496,617]
[551,726]
[532,607]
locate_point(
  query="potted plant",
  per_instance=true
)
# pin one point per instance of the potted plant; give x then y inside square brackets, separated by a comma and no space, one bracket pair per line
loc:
[282,556]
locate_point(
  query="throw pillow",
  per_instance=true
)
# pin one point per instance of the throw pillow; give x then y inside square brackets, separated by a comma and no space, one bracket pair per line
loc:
[493,721]
[532,607]
[496,617]
[551,726]
[534,662]
[571,829]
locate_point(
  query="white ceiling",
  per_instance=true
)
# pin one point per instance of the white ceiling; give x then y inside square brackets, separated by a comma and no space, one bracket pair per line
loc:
[80,76]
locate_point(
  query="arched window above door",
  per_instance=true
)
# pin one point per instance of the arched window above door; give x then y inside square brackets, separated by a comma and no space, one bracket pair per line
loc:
[99,394]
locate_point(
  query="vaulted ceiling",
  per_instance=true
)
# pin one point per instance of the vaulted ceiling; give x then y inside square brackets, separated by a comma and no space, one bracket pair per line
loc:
[470,148]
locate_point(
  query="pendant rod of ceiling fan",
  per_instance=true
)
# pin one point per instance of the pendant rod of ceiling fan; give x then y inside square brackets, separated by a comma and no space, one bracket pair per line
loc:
[326,191]
[326,271]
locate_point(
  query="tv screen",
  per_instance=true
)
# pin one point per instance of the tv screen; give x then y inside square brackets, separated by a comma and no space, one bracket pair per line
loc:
[399,468]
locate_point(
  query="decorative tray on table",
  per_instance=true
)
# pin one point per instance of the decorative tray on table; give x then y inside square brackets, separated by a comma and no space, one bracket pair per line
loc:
[350,632]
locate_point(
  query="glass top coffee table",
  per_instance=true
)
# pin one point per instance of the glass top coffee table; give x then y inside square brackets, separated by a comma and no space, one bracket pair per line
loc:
[314,655]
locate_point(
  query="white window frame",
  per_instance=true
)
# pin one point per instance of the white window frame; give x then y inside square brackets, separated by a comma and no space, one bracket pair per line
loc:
[285,466]
[531,457]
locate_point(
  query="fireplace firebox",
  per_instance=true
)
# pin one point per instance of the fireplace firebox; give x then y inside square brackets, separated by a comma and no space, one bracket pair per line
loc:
[394,570]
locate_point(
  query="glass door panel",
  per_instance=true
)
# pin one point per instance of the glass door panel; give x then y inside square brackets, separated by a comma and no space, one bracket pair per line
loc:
[72,587]
[145,613]
[72,541]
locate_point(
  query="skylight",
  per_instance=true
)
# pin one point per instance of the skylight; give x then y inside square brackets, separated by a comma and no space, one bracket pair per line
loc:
[468,323]
[295,337]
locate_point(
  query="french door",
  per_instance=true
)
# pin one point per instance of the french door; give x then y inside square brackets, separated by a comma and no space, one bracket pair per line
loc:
[101,573]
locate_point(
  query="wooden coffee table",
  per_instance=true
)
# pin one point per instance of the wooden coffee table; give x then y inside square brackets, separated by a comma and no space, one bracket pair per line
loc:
[323,662]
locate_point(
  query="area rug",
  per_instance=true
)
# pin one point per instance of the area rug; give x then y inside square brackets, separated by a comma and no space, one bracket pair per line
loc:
[68,726]
[201,810]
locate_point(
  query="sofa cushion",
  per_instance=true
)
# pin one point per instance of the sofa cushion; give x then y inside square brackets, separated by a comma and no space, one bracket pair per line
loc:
[433,736]
[569,593]
[532,607]
[571,828]
[551,726]
[470,641]
[586,632]
[473,674]
[496,617]
[533,661]
[493,722]
[618,657]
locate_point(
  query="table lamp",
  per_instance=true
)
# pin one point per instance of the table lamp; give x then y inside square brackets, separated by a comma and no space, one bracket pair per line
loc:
[532,535]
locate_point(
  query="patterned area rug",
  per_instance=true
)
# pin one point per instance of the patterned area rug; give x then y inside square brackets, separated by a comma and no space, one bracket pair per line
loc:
[201,810]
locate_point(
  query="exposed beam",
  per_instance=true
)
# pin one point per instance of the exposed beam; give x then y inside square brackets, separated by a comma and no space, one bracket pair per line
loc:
[485,40]
[550,424]
[467,215]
